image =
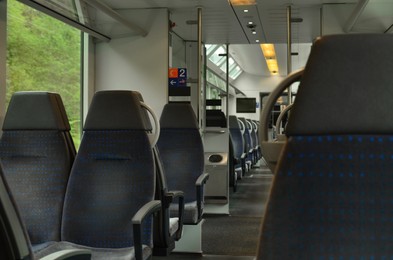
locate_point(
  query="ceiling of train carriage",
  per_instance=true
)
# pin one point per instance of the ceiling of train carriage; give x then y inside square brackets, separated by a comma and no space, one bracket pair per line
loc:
[226,23]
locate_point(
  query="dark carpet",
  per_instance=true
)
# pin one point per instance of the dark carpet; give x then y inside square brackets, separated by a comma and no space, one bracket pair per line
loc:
[238,234]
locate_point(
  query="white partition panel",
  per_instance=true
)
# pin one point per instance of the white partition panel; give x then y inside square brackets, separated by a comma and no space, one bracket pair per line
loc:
[135,62]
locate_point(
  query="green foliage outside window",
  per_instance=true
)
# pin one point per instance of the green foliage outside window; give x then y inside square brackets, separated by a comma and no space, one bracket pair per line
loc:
[44,54]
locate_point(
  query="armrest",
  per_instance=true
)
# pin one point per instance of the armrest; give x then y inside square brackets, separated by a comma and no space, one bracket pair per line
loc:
[202,179]
[147,209]
[200,182]
[180,196]
[171,195]
[69,254]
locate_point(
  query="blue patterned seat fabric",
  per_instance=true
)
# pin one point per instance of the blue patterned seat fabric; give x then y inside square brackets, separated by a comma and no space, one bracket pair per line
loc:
[112,178]
[238,144]
[37,158]
[14,241]
[332,193]
[182,155]
[247,142]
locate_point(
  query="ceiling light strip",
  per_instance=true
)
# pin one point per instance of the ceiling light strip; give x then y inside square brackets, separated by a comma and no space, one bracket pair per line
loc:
[270,56]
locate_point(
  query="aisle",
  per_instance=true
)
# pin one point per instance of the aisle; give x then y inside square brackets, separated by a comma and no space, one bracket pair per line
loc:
[238,233]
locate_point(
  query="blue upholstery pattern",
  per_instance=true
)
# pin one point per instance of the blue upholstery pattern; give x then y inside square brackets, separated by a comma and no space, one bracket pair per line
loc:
[182,155]
[37,165]
[113,176]
[332,193]
[247,140]
[348,217]
[237,139]
[37,156]
[120,173]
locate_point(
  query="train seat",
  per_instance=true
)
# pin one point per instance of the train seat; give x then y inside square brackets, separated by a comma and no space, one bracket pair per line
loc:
[110,193]
[258,147]
[248,149]
[254,141]
[238,146]
[332,191]
[181,149]
[14,240]
[37,153]
[167,229]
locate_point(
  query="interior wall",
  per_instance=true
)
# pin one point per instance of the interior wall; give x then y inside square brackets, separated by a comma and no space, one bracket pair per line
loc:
[136,62]
[252,85]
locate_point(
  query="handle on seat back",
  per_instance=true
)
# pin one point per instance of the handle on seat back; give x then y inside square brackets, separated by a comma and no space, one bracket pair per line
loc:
[281,116]
[271,100]
[153,137]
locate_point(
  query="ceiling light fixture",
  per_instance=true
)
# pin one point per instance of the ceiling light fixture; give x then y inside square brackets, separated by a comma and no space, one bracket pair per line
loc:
[254,32]
[270,56]
[242,2]
[245,10]
[256,40]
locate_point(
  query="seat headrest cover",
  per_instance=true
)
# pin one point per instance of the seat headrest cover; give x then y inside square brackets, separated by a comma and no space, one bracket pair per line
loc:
[346,87]
[36,111]
[233,123]
[178,115]
[145,115]
[115,110]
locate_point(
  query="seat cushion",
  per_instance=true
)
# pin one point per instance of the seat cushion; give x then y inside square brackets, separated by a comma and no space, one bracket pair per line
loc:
[173,225]
[97,253]
[190,212]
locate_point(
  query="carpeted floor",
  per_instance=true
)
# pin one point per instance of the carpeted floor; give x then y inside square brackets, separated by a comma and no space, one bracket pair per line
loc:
[238,234]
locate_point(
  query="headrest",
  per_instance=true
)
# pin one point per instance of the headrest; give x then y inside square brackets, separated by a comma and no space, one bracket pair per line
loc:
[215,118]
[145,115]
[244,122]
[178,115]
[346,87]
[36,111]
[233,123]
[115,110]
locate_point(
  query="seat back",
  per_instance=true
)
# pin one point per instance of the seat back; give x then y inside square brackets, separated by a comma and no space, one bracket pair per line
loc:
[13,237]
[247,138]
[181,148]
[113,174]
[236,136]
[37,156]
[215,118]
[331,196]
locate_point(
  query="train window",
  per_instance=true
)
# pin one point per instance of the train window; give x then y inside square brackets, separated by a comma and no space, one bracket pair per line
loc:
[44,54]
[216,58]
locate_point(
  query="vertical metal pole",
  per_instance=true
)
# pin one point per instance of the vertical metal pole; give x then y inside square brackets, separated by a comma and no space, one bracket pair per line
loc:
[289,50]
[199,64]
[227,86]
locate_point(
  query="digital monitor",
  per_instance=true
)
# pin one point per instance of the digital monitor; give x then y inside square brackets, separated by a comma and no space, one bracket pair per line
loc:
[246,105]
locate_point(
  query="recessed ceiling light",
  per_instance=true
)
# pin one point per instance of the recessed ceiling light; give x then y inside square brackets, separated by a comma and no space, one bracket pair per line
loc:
[250,22]
[245,10]
[254,32]
[256,40]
